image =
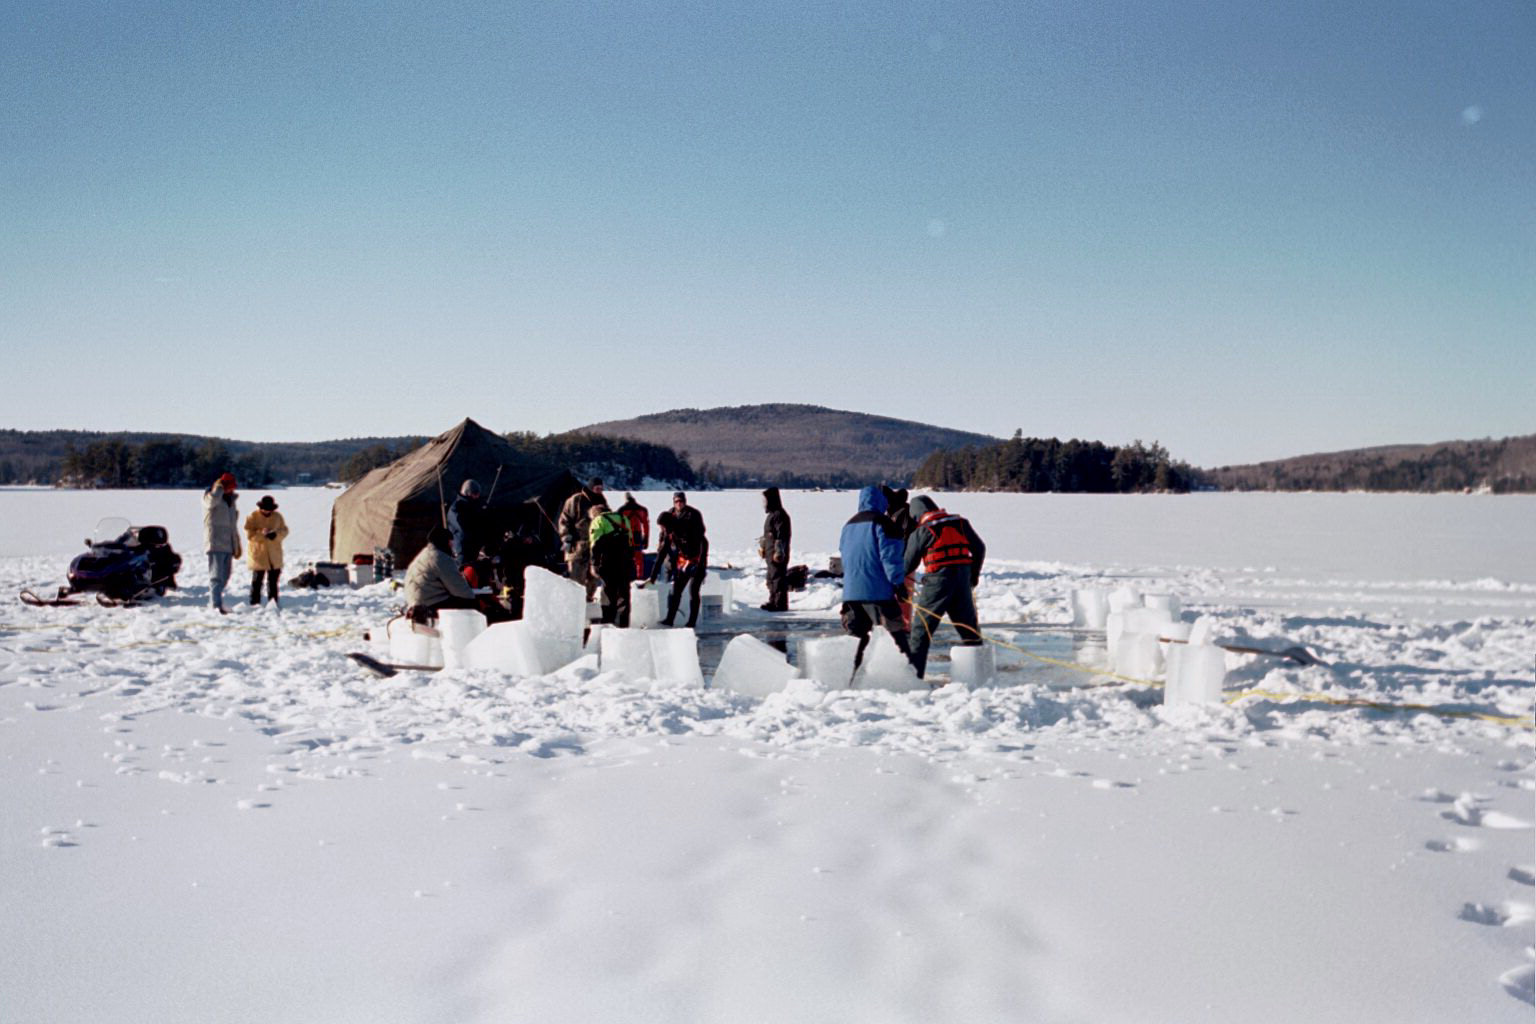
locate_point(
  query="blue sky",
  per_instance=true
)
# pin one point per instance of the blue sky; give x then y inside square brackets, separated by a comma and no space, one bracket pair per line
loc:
[1245,231]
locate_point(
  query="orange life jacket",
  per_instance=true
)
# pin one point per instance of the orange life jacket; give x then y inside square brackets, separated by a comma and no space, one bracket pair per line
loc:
[950,546]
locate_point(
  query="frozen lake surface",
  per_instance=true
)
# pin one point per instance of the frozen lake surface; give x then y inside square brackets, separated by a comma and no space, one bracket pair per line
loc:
[225,820]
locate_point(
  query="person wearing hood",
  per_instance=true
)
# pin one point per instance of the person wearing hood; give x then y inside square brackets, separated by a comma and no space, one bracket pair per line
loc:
[433,579]
[873,577]
[950,554]
[221,537]
[264,533]
[467,523]
[774,547]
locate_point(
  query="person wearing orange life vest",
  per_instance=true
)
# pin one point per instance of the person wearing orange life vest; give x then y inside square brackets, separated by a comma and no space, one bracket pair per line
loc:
[639,519]
[950,554]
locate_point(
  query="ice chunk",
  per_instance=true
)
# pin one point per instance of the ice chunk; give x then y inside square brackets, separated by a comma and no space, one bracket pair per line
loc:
[1164,602]
[714,596]
[752,667]
[828,660]
[1147,620]
[1124,597]
[1200,632]
[556,651]
[509,647]
[1196,673]
[413,644]
[1177,631]
[1090,608]
[675,656]
[457,627]
[553,605]
[1138,656]
[972,666]
[627,651]
[594,644]
[884,666]
[645,607]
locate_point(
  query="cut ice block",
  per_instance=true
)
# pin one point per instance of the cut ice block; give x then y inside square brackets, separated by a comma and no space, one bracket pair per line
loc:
[594,644]
[828,660]
[750,666]
[1177,631]
[457,627]
[1124,597]
[1090,608]
[1138,656]
[1196,673]
[645,607]
[411,644]
[627,651]
[1146,620]
[714,596]
[1164,602]
[972,666]
[1200,632]
[884,666]
[1114,625]
[555,651]
[675,656]
[509,647]
[553,605]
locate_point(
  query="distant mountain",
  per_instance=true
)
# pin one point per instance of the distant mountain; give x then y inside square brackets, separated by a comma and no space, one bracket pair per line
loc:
[791,445]
[1506,466]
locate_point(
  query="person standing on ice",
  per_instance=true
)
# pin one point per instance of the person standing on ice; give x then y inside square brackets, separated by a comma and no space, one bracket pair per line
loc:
[950,553]
[774,547]
[221,537]
[873,577]
[575,518]
[613,561]
[684,548]
[466,521]
[639,519]
[264,533]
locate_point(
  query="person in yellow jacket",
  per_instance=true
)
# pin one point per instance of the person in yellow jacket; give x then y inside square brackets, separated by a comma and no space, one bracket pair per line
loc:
[265,530]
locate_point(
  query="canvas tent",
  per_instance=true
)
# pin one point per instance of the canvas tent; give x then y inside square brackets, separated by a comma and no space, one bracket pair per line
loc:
[395,505]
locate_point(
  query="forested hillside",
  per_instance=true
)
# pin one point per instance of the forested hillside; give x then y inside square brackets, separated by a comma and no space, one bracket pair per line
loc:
[1036,464]
[1506,466]
[791,445]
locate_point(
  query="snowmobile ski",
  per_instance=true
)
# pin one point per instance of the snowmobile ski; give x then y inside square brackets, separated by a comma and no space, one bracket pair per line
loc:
[385,669]
[29,596]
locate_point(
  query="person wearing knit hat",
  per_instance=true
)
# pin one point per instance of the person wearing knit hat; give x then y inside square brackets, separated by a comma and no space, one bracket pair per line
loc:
[221,537]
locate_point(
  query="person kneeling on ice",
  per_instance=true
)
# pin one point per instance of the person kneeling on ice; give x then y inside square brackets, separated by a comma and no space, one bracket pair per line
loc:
[433,579]
[873,580]
[951,554]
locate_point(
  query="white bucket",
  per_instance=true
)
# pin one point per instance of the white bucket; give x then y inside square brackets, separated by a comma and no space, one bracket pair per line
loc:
[360,575]
[458,626]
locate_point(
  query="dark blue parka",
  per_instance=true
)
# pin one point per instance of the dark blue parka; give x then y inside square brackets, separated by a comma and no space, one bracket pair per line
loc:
[871,552]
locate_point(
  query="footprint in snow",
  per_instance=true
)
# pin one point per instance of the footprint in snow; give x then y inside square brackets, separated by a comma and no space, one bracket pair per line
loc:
[1466,812]
[1525,874]
[1453,845]
[1509,914]
[1520,982]
[1436,796]
[1112,784]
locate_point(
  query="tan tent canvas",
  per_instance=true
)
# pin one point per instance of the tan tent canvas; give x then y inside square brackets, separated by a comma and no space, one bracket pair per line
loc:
[395,505]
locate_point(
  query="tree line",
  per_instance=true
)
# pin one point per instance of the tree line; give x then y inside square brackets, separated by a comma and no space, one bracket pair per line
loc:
[1032,464]
[115,463]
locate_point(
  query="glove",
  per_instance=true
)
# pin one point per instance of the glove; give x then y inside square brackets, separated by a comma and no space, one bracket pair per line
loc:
[271,535]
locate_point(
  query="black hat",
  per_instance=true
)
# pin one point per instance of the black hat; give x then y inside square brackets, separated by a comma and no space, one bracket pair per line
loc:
[596,481]
[267,502]
[679,496]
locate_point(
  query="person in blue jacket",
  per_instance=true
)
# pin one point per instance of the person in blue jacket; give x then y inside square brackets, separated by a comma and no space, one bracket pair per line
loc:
[874,573]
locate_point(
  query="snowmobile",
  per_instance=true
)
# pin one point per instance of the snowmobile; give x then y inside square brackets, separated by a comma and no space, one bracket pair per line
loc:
[123,564]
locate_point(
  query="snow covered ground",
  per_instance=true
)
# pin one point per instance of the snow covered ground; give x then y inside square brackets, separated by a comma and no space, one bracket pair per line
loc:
[207,819]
